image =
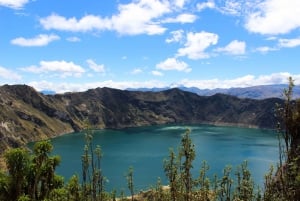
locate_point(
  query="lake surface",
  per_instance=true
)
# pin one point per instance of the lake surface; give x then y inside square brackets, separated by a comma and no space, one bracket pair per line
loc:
[145,148]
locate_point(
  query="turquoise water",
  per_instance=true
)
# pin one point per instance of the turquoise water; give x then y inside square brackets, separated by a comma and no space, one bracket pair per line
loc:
[145,148]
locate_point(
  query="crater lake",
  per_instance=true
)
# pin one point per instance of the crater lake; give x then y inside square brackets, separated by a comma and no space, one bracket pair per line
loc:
[145,148]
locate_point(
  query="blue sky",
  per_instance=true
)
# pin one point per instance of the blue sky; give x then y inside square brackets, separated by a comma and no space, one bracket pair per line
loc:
[72,45]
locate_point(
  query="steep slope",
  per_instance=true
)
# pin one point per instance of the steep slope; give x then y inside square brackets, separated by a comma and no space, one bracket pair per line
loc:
[26,115]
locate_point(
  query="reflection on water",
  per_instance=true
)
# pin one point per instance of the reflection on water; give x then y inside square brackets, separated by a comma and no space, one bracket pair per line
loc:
[145,148]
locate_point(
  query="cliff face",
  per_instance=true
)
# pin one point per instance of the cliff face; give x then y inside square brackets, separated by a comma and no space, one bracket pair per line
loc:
[26,115]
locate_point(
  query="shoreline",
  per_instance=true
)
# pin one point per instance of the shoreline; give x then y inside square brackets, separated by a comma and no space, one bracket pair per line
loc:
[218,124]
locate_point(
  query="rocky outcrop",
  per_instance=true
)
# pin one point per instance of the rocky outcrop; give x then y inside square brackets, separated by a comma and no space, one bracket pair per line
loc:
[26,115]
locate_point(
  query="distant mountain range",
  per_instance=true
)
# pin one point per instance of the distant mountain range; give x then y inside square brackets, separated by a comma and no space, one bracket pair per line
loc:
[254,92]
[27,115]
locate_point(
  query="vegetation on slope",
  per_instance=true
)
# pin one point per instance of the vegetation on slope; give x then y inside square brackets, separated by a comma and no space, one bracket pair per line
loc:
[286,183]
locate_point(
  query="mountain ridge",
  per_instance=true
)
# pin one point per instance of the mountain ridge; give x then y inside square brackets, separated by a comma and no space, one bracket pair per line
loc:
[27,115]
[253,92]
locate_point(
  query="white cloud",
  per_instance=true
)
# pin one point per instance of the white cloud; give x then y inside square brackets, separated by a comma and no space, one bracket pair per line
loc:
[180,3]
[86,23]
[63,68]
[232,7]
[14,4]
[157,73]
[227,7]
[271,38]
[72,87]
[265,49]
[279,78]
[138,17]
[173,64]
[204,5]
[176,36]
[182,18]
[274,17]
[244,81]
[40,40]
[196,45]
[136,71]
[289,42]
[99,68]
[73,39]
[281,43]
[6,74]
[235,47]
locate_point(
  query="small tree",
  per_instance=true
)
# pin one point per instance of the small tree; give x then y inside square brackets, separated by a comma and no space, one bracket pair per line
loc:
[203,182]
[187,154]
[30,176]
[43,171]
[245,186]
[226,185]
[17,161]
[129,178]
[171,167]
[74,188]
[92,177]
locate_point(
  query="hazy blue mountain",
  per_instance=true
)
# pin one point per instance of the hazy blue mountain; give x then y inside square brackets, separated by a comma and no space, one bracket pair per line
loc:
[255,92]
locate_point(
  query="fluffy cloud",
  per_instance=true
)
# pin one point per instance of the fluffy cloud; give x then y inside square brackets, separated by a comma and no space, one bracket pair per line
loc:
[136,71]
[204,5]
[235,47]
[157,73]
[176,36]
[8,74]
[40,40]
[265,49]
[14,4]
[182,18]
[86,23]
[138,17]
[244,81]
[63,68]
[274,17]
[232,7]
[281,43]
[227,7]
[173,64]
[196,44]
[261,16]
[73,39]
[180,3]
[289,42]
[99,68]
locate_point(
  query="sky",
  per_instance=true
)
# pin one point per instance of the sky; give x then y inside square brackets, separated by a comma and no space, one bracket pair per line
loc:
[75,45]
